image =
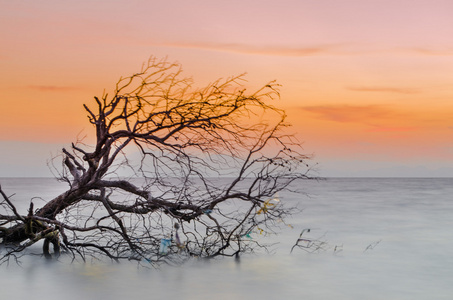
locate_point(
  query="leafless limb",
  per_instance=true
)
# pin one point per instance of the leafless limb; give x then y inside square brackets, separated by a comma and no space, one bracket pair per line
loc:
[207,164]
[310,244]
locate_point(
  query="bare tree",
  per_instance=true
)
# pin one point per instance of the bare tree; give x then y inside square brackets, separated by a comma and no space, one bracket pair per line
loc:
[175,172]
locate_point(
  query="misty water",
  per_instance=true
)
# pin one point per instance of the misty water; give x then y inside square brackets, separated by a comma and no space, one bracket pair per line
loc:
[383,238]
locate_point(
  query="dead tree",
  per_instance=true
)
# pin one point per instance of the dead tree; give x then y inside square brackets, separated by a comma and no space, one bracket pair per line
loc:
[202,167]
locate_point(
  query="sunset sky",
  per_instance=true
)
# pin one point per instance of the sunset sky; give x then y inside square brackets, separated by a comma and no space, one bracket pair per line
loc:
[367,85]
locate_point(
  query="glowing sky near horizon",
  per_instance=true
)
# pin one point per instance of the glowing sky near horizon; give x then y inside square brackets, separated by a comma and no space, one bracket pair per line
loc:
[366,84]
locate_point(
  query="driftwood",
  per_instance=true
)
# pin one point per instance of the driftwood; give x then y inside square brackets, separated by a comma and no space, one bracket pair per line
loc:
[174,142]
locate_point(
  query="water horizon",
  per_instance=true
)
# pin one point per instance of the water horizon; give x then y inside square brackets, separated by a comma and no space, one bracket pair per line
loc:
[382,239]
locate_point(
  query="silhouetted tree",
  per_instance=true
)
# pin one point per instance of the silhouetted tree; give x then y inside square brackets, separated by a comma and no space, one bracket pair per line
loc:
[174,172]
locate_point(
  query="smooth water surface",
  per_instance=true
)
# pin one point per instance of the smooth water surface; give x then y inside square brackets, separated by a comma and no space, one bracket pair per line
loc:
[383,238]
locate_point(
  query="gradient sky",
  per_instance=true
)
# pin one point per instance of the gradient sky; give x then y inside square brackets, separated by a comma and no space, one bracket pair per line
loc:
[368,85]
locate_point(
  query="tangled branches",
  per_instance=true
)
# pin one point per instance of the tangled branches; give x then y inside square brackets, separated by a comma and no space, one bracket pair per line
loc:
[203,166]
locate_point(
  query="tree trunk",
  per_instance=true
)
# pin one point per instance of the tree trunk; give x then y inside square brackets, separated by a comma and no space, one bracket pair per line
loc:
[18,233]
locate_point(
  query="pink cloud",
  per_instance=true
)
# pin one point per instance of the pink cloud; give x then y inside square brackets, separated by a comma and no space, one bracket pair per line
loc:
[434,52]
[351,113]
[263,49]
[51,88]
[383,89]
[392,129]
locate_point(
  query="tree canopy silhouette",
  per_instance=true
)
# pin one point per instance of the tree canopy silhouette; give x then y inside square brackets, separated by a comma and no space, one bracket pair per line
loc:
[203,167]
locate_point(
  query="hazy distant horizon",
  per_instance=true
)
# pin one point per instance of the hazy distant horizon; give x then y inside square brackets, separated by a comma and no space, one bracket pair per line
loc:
[28,159]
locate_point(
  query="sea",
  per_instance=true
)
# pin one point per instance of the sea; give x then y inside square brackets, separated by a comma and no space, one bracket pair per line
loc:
[369,238]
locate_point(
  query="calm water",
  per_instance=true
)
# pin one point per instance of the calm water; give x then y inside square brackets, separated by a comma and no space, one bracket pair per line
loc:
[393,239]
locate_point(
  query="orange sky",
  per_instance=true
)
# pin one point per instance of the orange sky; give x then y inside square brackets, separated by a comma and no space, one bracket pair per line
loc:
[367,84]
